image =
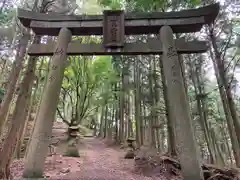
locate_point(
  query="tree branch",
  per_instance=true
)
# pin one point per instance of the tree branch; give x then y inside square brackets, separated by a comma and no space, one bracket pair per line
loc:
[64,120]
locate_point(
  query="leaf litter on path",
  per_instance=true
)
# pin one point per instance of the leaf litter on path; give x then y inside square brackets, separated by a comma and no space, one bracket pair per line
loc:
[97,162]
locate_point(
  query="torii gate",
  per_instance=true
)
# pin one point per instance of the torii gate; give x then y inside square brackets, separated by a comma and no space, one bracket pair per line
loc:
[114,25]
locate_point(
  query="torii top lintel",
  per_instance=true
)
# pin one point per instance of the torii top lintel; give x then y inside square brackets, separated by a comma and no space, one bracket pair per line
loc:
[184,21]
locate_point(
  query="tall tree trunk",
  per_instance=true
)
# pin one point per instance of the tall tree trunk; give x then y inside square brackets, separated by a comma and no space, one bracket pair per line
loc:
[202,120]
[227,142]
[112,121]
[106,121]
[16,68]
[138,119]
[127,99]
[152,119]
[101,129]
[222,75]
[121,128]
[18,119]
[22,128]
[159,136]
[229,119]
[37,153]
[170,120]
[28,119]
[3,72]
[218,154]
[129,114]
[41,89]
[116,114]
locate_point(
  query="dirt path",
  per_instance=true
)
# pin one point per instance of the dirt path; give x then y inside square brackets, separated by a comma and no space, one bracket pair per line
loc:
[97,162]
[103,163]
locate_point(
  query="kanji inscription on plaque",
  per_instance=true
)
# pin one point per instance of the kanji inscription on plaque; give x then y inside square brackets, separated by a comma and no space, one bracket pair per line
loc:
[113,28]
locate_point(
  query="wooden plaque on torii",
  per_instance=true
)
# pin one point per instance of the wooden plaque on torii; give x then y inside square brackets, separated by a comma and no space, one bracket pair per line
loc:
[113,29]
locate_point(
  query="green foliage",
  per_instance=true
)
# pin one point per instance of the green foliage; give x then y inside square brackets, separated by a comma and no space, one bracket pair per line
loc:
[191,3]
[83,130]
[6,16]
[112,4]
[151,5]
[86,86]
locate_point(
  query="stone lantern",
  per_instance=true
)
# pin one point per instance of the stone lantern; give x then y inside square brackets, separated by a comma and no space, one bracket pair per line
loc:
[130,154]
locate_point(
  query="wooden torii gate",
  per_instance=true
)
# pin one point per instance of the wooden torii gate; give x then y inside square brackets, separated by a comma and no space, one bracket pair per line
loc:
[114,25]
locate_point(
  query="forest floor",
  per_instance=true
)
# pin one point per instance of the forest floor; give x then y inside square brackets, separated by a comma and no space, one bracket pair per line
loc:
[97,161]
[100,160]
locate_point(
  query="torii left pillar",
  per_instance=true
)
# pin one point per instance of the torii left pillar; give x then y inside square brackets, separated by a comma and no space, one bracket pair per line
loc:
[38,147]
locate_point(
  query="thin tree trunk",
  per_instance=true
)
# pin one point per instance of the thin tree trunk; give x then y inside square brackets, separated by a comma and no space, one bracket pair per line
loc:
[138,119]
[229,119]
[152,119]
[227,143]
[101,131]
[121,130]
[18,119]
[170,121]
[41,89]
[218,154]
[202,120]
[106,121]
[222,75]
[117,114]
[129,112]
[3,73]
[22,129]
[16,68]
[102,121]
[159,135]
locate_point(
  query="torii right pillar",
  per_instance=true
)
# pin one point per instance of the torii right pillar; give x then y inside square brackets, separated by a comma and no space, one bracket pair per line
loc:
[186,145]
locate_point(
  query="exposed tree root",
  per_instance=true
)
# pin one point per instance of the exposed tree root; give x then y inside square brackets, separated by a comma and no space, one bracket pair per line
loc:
[155,165]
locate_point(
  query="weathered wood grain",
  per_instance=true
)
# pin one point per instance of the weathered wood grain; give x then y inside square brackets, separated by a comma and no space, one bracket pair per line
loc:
[153,46]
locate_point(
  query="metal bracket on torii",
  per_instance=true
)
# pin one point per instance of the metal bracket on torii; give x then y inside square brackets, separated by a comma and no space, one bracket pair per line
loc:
[114,26]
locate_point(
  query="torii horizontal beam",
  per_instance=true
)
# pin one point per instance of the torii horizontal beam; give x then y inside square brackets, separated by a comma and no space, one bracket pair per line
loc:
[154,46]
[135,23]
